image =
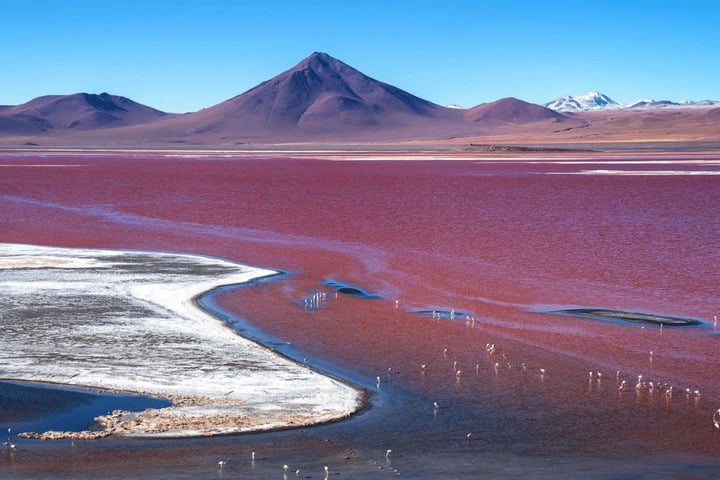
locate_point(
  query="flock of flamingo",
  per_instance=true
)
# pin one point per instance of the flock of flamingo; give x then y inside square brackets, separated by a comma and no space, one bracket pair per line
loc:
[499,362]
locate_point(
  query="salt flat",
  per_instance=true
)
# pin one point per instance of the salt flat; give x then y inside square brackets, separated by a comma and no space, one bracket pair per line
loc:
[123,320]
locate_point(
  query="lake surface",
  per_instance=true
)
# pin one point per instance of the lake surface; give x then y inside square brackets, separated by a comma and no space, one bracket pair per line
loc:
[489,245]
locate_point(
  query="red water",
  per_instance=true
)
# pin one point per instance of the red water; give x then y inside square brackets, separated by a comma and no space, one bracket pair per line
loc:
[500,240]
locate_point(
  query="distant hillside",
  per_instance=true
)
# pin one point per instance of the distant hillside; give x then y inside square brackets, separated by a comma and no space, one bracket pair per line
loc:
[594,101]
[80,111]
[583,103]
[512,111]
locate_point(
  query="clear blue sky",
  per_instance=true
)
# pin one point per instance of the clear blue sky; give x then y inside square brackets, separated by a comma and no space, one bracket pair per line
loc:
[183,55]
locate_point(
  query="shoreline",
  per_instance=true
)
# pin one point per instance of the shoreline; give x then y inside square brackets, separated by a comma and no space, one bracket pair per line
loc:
[477,147]
[225,317]
[273,393]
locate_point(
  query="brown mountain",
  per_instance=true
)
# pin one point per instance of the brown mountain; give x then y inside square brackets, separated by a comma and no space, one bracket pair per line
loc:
[512,111]
[323,100]
[79,111]
[320,97]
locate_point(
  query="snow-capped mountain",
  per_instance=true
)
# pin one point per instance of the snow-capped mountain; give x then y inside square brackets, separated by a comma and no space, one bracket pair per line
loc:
[599,101]
[702,103]
[650,103]
[583,103]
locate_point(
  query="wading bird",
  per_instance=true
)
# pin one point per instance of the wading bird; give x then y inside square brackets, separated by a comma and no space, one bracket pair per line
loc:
[9,443]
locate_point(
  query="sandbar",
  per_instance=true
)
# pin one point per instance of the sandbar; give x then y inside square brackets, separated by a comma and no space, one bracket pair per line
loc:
[630,317]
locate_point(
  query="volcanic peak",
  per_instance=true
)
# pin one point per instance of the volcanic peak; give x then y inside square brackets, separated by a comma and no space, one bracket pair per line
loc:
[320,94]
[321,73]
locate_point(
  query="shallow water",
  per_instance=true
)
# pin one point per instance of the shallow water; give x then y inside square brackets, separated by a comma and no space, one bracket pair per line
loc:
[26,407]
[493,240]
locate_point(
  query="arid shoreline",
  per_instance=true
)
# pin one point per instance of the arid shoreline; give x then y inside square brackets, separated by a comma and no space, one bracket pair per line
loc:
[241,399]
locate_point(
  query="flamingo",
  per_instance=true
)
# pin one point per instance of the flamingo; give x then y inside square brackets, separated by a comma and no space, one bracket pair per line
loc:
[9,443]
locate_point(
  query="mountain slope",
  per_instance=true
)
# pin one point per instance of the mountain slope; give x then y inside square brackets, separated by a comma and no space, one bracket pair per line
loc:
[650,103]
[590,101]
[512,111]
[319,96]
[595,101]
[79,111]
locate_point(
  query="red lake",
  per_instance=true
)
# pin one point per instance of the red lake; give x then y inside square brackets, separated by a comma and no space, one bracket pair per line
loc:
[436,275]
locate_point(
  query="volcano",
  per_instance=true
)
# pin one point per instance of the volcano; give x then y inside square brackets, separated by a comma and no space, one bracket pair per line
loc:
[319,97]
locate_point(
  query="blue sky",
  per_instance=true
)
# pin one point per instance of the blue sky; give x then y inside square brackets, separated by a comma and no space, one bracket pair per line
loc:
[185,55]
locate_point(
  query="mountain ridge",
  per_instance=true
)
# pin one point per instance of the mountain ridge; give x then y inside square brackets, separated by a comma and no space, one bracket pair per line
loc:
[324,100]
[79,111]
[319,94]
[595,100]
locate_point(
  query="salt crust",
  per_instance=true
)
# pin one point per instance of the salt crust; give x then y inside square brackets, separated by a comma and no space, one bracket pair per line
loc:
[127,321]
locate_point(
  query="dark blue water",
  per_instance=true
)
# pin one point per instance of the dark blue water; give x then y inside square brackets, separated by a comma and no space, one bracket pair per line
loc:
[34,407]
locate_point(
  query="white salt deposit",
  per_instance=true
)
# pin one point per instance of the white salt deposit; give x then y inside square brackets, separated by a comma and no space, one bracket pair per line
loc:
[121,320]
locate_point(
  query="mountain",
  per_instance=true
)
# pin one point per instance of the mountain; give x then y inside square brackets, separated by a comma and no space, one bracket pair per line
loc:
[322,100]
[512,111]
[319,97]
[79,111]
[713,114]
[594,101]
[590,101]
[703,103]
[650,103]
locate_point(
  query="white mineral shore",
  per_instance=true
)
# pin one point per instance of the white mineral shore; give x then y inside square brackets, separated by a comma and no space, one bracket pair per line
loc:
[126,321]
